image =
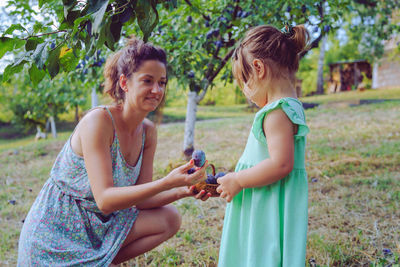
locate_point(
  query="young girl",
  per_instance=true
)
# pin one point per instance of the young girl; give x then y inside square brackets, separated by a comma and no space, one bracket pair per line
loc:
[100,204]
[265,223]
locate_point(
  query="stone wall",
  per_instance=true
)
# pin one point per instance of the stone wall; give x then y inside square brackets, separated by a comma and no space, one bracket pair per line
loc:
[386,72]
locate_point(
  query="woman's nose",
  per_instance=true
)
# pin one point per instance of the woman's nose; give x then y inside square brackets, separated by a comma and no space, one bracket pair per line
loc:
[156,88]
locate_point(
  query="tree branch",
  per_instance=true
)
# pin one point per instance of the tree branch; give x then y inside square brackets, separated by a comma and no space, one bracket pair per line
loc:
[223,63]
[315,43]
[212,77]
[204,16]
[202,94]
[43,34]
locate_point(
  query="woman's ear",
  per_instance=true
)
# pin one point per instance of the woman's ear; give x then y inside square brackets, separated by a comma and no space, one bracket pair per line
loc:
[122,82]
[260,68]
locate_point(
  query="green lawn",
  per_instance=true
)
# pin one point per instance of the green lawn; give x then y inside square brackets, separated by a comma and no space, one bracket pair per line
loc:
[355,95]
[353,157]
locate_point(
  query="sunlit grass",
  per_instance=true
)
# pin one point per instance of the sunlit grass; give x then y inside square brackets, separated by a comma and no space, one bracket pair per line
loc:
[175,114]
[353,156]
[6,144]
[355,95]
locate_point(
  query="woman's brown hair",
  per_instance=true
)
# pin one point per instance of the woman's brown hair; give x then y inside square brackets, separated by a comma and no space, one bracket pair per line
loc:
[279,50]
[127,61]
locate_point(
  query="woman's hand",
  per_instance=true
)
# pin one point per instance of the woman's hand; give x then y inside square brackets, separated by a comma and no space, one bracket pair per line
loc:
[228,186]
[179,176]
[188,191]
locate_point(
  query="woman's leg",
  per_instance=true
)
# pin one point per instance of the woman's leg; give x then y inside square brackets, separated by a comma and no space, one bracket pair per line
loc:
[151,228]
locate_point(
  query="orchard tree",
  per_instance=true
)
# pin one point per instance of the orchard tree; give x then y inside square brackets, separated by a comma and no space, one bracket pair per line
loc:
[37,105]
[199,35]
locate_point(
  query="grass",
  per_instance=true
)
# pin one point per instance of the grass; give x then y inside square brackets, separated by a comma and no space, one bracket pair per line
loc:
[178,114]
[353,157]
[393,93]
[170,115]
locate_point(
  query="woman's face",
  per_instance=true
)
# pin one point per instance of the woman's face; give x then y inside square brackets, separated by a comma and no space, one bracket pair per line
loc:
[145,88]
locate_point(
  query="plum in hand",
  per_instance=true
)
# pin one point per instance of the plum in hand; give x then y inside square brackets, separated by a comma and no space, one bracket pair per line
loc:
[199,158]
[220,174]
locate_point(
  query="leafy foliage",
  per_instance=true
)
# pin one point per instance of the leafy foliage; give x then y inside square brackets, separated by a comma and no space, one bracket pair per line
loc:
[80,28]
[200,40]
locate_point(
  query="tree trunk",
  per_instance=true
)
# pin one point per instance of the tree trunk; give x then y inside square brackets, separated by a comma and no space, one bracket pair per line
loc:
[375,76]
[39,133]
[76,114]
[53,127]
[188,142]
[320,79]
[95,100]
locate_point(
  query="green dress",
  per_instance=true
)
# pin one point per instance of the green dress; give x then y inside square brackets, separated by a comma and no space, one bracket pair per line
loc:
[267,226]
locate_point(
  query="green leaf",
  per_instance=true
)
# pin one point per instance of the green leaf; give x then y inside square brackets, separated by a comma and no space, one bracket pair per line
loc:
[13,68]
[36,75]
[109,37]
[100,41]
[147,17]
[77,24]
[68,5]
[41,3]
[98,15]
[68,61]
[53,62]
[95,5]
[116,30]
[40,55]
[38,27]
[32,43]
[9,44]
[14,27]
[72,16]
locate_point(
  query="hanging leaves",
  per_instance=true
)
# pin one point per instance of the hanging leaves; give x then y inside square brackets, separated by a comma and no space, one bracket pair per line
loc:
[147,16]
[83,26]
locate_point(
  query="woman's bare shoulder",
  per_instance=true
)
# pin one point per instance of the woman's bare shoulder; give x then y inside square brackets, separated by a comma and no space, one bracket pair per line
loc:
[150,130]
[96,122]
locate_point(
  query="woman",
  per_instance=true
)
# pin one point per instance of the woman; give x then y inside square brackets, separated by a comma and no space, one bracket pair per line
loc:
[100,205]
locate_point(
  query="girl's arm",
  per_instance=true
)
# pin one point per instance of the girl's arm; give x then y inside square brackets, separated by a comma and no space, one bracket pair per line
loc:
[94,137]
[279,131]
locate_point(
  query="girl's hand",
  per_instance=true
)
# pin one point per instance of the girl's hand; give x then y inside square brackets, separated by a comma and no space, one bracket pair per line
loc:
[179,176]
[228,186]
[188,191]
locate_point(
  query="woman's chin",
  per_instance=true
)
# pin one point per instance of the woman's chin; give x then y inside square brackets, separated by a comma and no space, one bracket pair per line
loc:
[151,107]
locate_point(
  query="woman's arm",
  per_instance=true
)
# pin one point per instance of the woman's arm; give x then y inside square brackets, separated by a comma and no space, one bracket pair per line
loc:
[96,152]
[163,198]
[279,131]
[146,174]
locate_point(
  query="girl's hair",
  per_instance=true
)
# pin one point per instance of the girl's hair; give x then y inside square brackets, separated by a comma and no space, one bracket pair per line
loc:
[279,50]
[127,61]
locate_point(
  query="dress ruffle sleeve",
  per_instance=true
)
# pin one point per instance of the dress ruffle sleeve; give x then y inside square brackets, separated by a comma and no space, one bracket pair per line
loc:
[293,109]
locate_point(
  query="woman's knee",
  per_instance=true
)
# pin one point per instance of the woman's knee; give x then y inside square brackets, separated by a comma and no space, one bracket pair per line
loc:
[172,218]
